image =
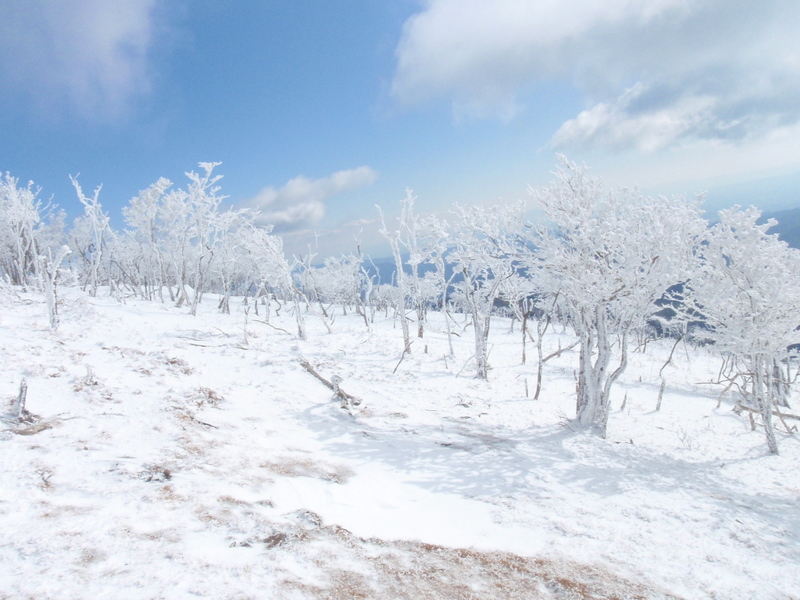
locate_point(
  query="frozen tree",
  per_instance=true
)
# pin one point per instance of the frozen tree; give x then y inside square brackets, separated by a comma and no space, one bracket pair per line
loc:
[267,259]
[387,296]
[364,287]
[203,203]
[519,294]
[177,230]
[51,265]
[127,269]
[424,240]
[30,233]
[485,253]
[305,275]
[434,234]
[178,227]
[516,293]
[418,254]
[395,237]
[748,294]
[20,220]
[602,260]
[229,264]
[144,214]
[428,241]
[340,281]
[90,234]
[266,255]
[370,291]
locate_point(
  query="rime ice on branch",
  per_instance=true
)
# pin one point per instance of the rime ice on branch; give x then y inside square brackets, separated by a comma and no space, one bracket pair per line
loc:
[604,258]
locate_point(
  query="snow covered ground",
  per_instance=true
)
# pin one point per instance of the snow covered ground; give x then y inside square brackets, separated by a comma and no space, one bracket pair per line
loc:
[180,457]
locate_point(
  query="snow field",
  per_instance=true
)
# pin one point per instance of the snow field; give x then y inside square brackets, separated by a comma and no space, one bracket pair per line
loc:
[178,456]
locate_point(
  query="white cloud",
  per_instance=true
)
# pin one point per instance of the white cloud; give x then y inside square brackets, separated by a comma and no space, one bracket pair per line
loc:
[704,163]
[360,234]
[702,69]
[87,56]
[301,202]
[611,125]
[482,51]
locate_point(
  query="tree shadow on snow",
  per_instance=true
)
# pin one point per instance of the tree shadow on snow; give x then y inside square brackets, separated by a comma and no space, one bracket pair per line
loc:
[487,462]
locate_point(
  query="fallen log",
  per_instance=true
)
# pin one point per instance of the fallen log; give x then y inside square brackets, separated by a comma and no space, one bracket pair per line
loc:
[346,399]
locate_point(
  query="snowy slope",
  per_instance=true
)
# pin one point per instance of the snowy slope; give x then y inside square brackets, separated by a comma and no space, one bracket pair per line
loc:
[179,457]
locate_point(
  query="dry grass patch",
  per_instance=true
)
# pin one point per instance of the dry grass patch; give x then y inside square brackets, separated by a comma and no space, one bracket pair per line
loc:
[205,395]
[404,570]
[306,467]
[178,365]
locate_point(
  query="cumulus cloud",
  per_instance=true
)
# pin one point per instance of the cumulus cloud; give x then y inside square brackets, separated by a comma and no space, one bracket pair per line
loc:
[613,125]
[653,72]
[87,56]
[301,202]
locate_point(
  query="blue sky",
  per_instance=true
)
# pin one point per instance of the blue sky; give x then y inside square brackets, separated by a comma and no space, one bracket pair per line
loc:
[320,110]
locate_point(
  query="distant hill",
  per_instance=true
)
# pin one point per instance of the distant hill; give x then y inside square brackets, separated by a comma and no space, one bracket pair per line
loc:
[788,227]
[773,194]
[383,270]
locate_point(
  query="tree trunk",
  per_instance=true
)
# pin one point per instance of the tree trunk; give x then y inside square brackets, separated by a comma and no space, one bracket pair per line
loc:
[605,402]
[540,331]
[480,344]
[401,285]
[592,393]
[763,395]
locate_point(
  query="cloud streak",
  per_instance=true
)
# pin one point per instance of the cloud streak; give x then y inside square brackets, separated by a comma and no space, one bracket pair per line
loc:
[301,202]
[87,58]
[653,73]
[614,125]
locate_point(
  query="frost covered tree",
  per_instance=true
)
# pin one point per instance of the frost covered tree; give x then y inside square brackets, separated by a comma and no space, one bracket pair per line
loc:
[178,228]
[340,281]
[51,263]
[429,246]
[418,254]
[20,221]
[90,234]
[520,293]
[603,259]
[30,232]
[229,265]
[748,293]
[266,255]
[203,203]
[266,258]
[434,234]
[144,215]
[395,238]
[424,241]
[179,232]
[485,253]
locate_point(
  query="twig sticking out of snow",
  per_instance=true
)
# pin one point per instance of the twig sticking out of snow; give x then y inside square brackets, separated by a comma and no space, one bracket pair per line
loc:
[346,399]
[25,422]
[406,350]
[18,408]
